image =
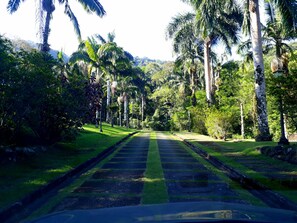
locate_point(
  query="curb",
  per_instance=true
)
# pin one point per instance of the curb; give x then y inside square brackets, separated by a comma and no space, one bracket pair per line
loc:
[20,205]
[271,198]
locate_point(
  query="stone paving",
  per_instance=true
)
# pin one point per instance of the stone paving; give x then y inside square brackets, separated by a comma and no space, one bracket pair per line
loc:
[119,182]
[116,183]
[187,179]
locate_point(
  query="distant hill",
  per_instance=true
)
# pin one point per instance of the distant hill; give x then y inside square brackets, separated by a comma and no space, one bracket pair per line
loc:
[29,45]
[143,61]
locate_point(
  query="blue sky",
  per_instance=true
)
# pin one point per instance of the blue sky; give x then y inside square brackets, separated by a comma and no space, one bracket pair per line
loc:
[139,25]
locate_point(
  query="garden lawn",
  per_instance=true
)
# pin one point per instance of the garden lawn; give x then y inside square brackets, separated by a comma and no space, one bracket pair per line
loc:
[23,177]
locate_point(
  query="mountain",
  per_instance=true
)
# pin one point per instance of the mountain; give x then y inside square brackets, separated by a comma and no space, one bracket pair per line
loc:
[143,61]
[29,45]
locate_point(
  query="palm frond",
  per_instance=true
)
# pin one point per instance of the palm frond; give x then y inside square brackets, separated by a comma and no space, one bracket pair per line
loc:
[90,50]
[13,5]
[79,56]
[73,19]
[178,22]
[111,36]
[288,12]
[100,38]
[93,6]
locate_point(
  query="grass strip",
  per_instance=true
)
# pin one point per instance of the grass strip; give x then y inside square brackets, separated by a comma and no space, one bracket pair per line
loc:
[17,179]
[155,191]
[247,149]
[69,190]
[243,194]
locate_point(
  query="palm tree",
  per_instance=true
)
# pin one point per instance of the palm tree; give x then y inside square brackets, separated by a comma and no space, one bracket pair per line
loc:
[252,25]
[276,32]
[216,21]
[187,45]
[48,7]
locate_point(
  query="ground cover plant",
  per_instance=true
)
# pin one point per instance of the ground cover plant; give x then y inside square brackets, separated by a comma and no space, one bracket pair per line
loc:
[20,178]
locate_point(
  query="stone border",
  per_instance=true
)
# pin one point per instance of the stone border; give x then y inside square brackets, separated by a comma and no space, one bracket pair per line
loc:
[271,198]
[20,205]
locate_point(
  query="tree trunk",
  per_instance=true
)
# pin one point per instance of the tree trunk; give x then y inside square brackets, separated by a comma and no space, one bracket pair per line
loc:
[49,8]
[193,72]
[45,46]
[142,109]
[120,114]
[261,104]
[126,118]
[100,124]
[108,101]
[207,72]
[97,117]
[242,120]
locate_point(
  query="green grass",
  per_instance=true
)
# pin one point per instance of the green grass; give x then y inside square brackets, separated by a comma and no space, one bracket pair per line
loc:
[243,194]
[155,190]
[227,151]
[20,178]
[68,190]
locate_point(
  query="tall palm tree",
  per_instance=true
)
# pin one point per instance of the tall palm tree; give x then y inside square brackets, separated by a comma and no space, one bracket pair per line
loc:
[252,25]
[45,9]
[276,32]
[216,22]
[187,45]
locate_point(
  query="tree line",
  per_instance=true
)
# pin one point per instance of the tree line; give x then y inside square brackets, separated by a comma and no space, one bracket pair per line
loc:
[47,99]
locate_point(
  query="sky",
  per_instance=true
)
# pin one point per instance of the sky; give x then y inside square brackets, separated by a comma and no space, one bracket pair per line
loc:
[139,25]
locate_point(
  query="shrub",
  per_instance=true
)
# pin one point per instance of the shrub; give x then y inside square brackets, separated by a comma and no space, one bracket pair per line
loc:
[34,100]
[218,124]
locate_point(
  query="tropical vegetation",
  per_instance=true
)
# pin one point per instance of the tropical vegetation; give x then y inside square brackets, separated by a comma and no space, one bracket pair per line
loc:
[46,99]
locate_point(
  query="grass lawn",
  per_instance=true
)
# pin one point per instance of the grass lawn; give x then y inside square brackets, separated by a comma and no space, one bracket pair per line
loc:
[229,151]
[20,178]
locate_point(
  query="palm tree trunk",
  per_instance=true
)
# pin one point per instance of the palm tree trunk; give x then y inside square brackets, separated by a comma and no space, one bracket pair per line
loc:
[142,109]
[108,101]
[100,123]
[207,71]
[261,104]
[242,120]
[49,8]
[45,46]
[126,118]
[193,72]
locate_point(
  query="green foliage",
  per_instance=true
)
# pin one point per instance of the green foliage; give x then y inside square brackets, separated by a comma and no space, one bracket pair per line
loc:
[218,124]
[37,106]
[160,120]
[283,87]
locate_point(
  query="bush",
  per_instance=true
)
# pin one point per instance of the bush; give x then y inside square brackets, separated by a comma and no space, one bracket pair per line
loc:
[218,124]
[34,100]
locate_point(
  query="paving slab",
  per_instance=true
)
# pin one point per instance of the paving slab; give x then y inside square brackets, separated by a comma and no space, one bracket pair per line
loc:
[119,175]
[74,203]
[124,165]
[190,175]
[188,180]
[128,159]
[111,187]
